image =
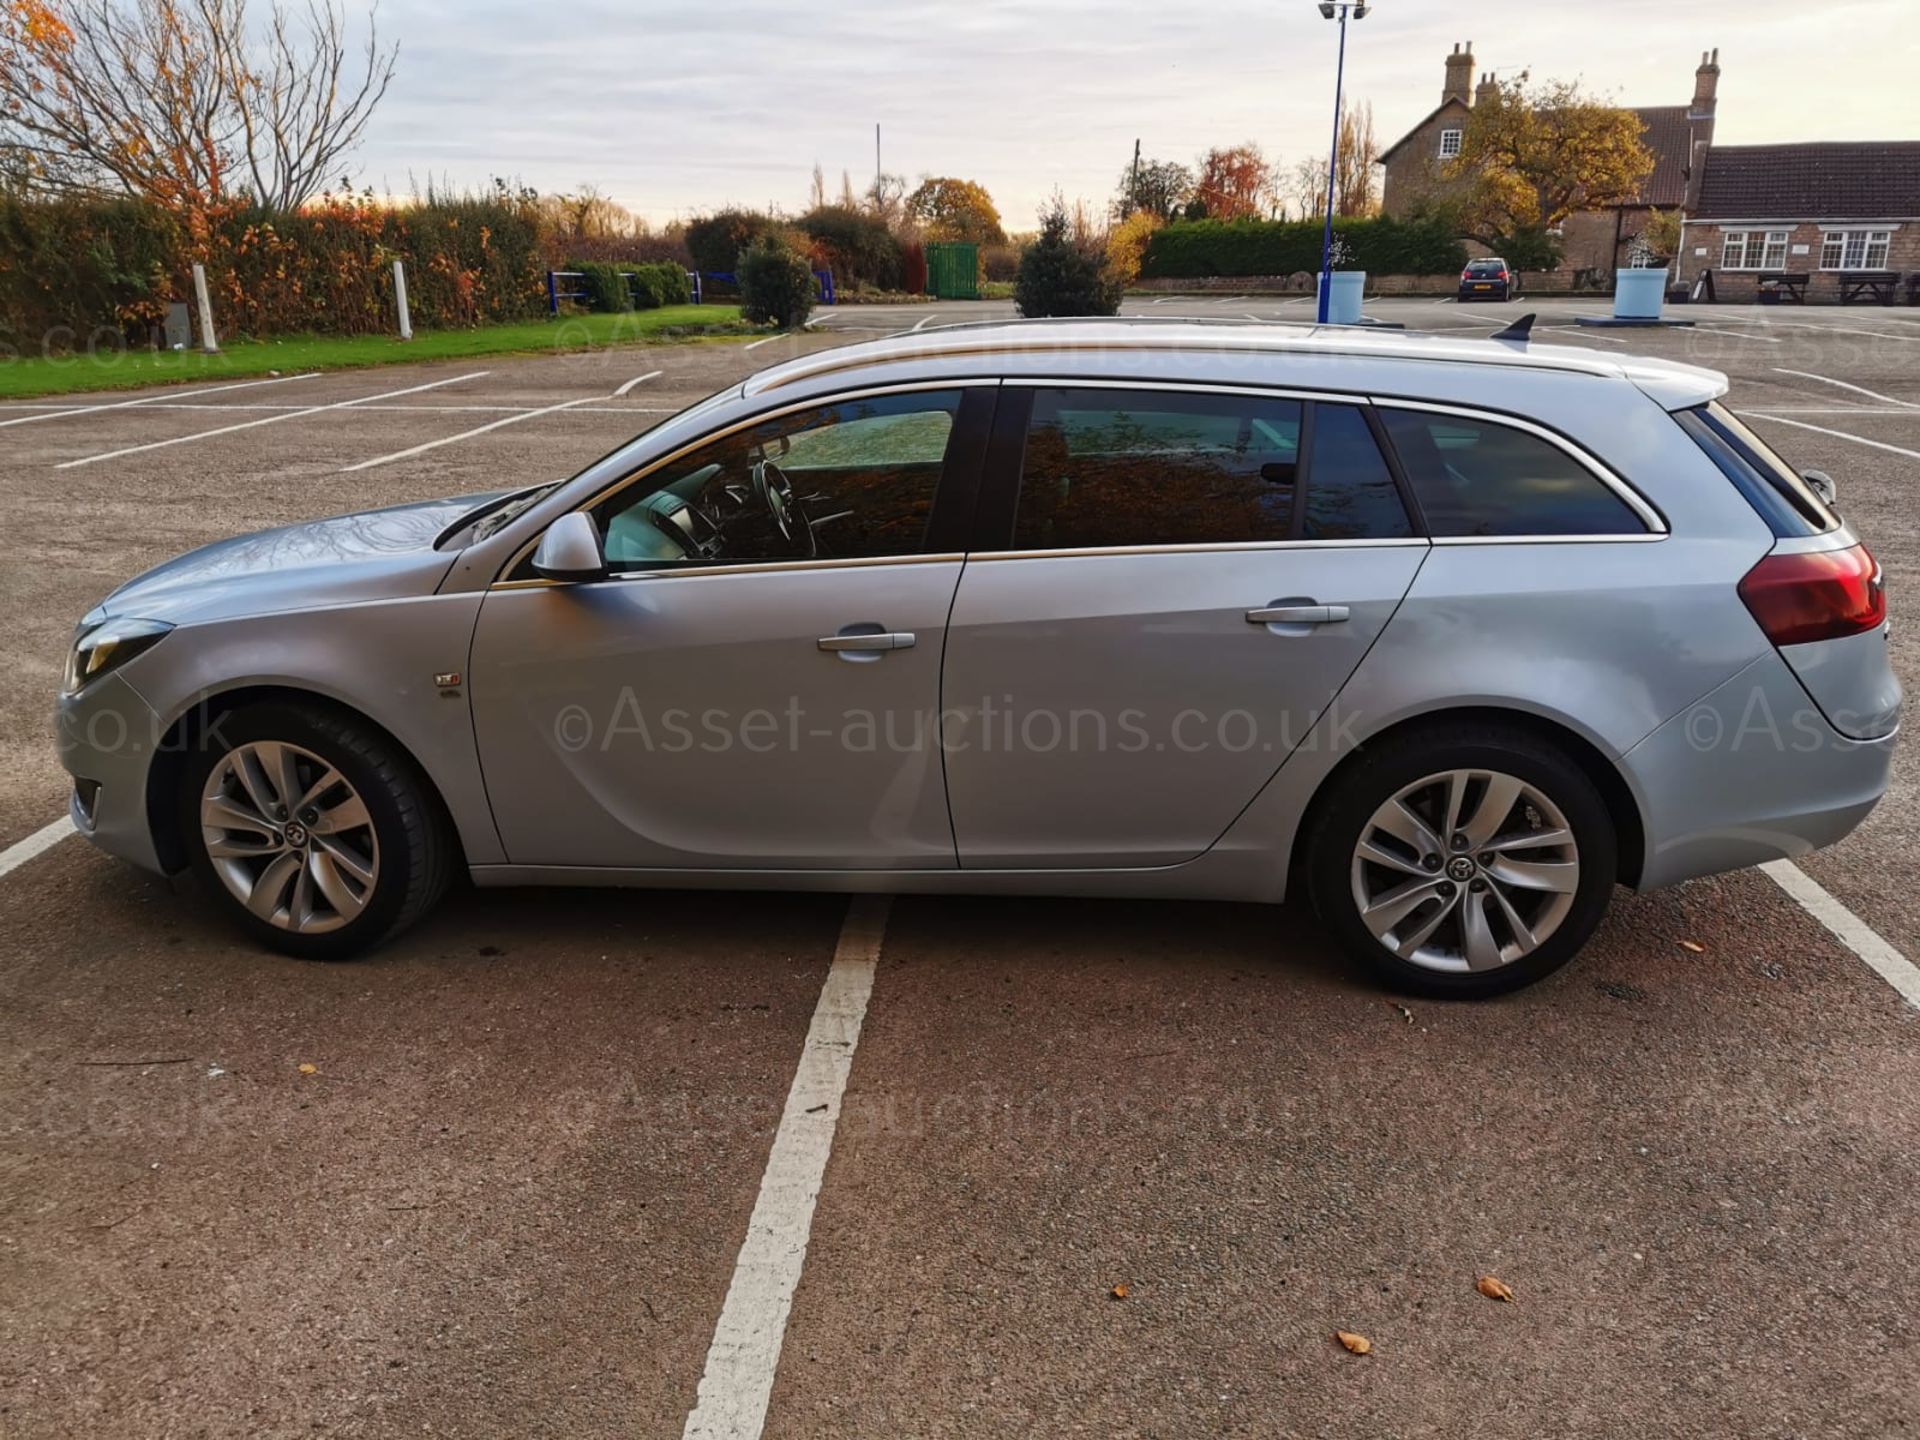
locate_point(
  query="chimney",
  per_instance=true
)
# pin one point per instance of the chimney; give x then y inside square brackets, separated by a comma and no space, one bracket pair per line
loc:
[1706,86]
[1459,75]
[1488,88]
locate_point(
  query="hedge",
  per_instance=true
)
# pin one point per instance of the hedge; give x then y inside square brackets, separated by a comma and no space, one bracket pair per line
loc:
[72,269]
[1197,249]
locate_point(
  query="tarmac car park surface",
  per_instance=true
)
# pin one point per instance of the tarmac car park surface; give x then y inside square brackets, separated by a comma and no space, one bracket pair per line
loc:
[510,1193]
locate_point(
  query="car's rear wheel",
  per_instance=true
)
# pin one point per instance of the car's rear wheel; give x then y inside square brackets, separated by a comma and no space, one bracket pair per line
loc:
[1462,861]
[315,833]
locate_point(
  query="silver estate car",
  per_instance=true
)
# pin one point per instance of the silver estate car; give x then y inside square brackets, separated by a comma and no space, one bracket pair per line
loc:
[1452,635]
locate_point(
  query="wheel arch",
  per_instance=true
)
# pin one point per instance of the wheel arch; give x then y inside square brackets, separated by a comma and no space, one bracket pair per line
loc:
[1623,807]
[188,730]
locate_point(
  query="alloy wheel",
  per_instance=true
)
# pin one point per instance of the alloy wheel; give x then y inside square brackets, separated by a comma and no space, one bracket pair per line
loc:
[289,837]
[1465,870]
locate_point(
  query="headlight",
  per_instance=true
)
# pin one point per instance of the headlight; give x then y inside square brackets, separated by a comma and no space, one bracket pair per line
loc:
[107,646]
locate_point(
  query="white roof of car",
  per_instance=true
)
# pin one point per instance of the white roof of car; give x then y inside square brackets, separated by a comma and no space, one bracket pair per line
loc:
[1672,383]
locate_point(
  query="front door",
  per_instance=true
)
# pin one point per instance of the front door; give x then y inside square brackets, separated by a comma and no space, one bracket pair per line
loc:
[1188,579]
[756,683]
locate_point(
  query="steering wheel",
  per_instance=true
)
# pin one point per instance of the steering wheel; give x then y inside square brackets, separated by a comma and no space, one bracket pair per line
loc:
[773,489]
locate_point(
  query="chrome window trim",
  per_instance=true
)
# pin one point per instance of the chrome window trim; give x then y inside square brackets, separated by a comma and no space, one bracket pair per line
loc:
[671,571]
[1403,542]
[1182,387]
[1648,537]
[1841,537]
[759,417]
[1600,471]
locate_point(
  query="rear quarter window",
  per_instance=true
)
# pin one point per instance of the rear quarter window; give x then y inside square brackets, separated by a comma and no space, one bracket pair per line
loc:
[1774,489]
[1477,478]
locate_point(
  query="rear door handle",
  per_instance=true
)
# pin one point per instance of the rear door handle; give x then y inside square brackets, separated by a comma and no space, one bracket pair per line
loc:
[1298,615]
[884,640]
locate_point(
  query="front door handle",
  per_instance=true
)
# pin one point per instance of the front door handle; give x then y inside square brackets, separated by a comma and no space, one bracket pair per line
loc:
[869,640]
[1298,615]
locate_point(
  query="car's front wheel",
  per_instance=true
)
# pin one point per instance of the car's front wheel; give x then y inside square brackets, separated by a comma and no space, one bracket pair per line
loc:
[1462,861]
[316,834]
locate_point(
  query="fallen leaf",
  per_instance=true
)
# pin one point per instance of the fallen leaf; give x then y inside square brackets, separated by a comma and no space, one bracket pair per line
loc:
[1494,1289]
[1358,1344]
[1120,1292]
[309,1069]
[1694,945]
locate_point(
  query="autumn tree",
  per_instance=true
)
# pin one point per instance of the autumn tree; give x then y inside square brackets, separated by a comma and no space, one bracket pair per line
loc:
[1358,192]
[184,102]
[1157,187]
[1307,187]
[952,209]
[1234,183]
[1533,155]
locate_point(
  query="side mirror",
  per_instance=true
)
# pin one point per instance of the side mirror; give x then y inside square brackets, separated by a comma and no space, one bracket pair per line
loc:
[570,551]
[1823,485]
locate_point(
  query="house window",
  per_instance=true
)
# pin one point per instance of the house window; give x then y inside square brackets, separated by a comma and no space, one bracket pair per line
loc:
[1449,144]
[1855,249]
[1754,250]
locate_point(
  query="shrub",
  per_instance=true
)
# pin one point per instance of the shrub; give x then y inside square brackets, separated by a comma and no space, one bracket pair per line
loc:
[1058,277]
[662,283]
[857,246]
[716,241]
[1195,249]
[605,285]
[999,262]
[913,267]
[776,283]
[1127,244]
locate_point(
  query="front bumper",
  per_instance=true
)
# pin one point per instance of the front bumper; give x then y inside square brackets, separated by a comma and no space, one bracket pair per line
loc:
[107,737]
[1753,772]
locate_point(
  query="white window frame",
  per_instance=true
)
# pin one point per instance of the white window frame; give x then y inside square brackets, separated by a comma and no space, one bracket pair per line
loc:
[1457,137]
[1854,247]
[1759,249]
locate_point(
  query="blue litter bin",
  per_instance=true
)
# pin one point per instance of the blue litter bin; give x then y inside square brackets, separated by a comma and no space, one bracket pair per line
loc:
[1347,292]
[1639,294]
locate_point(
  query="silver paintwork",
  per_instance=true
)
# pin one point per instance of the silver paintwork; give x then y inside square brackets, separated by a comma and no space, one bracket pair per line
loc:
[1465,870]
[289,837]
[1612,640]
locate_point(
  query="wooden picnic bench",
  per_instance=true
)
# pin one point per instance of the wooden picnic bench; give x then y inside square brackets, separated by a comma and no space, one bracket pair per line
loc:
[1778,285]
[1879,286]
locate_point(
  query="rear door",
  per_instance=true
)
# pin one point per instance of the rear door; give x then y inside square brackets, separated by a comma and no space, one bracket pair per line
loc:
[1170,587]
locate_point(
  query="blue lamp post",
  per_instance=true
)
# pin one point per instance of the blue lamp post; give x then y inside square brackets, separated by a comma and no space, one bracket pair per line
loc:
[1335,10]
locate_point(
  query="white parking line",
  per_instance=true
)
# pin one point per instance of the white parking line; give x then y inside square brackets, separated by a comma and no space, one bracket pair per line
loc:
[1738,334]
[1848,928]
[413,450]
[638,380]
[732,1400]
[268,420]
[1823,430]
[168,396]
[769,340]
[1845,385]
[38,843]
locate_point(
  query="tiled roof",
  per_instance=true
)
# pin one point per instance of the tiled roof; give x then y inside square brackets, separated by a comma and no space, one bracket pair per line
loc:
[1669,135]
[1839,180]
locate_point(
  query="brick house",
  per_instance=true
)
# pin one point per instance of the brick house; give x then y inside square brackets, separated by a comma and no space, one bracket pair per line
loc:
[1595,242]
[1818,209]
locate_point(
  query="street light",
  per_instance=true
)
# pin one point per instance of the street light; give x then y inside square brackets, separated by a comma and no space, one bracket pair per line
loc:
[1335,10]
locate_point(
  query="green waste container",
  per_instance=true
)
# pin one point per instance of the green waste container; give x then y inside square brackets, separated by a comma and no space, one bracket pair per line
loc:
[953,271]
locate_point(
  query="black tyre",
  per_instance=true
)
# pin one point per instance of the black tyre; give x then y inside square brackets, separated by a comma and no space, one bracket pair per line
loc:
[314,833]
[1462,861]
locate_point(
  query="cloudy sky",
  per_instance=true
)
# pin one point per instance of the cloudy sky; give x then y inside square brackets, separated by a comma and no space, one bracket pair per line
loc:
[672,108]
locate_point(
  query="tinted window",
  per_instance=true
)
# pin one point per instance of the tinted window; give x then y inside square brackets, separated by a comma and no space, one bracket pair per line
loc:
[1350,491]
[1784,500]
[1142,467]
[847,480]
[1478,477]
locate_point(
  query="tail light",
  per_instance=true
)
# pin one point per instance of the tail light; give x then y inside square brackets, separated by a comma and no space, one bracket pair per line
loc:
[1466,274]
[1824,595]
[1501,276]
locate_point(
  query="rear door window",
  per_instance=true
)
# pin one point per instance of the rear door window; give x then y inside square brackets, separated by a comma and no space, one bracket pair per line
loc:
[1478,478]
[1350,490]
[1105,468]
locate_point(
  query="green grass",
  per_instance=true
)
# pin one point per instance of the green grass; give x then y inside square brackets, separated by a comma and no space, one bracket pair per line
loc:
[69,374]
